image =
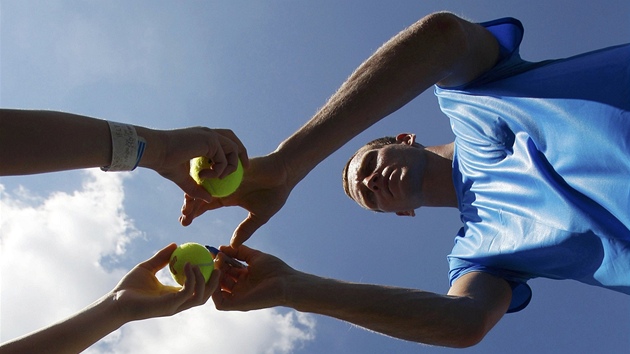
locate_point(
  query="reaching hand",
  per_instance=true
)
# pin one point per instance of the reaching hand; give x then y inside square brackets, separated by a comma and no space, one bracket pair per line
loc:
[263,192]
[260,285]
[140,295]
[179,146]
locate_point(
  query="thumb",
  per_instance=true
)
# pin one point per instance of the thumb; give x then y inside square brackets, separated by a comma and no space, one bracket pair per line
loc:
[160,259]
[190,187]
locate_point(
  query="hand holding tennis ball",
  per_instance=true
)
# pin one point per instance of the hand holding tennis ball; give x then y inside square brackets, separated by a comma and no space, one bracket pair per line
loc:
[192,253]
[217,187]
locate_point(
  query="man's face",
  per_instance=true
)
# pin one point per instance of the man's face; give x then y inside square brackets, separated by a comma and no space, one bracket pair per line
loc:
[388,178]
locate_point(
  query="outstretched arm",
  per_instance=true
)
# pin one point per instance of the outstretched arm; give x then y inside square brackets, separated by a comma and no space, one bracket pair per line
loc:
[474,304]
[139,295]
[440,48]
[45,141]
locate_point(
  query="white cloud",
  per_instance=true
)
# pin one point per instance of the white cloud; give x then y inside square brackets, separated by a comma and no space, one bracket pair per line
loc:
[52,248]
[265,331]
[60,252]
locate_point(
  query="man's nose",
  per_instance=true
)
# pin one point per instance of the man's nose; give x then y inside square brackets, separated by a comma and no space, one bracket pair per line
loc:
[371,182]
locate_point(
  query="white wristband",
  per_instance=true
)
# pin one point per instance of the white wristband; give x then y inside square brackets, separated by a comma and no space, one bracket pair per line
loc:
[127,147]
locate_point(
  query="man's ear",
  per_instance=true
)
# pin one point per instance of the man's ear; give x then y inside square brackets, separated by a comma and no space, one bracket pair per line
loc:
[406,213]
[406,138]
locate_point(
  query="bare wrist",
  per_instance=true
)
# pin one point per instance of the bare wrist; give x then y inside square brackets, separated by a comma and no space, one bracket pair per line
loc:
[154,151]
[297,289]
[114,310]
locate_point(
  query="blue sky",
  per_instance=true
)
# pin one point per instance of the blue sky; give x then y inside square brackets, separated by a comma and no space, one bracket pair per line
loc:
[261,69]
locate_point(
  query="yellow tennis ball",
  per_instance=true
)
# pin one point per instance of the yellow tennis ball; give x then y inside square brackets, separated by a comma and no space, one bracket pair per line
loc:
[192,253]
[217,187]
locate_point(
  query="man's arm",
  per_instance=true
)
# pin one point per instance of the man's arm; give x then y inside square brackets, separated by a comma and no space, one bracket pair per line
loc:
[36,141]
[460,319]
[475,303]
[440,48]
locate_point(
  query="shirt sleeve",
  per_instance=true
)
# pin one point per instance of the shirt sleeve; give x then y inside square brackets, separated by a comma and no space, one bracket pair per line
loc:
[521,292]
[509,33]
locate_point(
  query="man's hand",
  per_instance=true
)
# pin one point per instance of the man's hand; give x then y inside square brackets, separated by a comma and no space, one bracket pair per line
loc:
[260,285]
[263,192]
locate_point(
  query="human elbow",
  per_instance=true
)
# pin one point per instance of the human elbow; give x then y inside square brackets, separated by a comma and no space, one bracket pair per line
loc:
[469,338]
[451,46]
[470,332]
[451,334]
[446,27]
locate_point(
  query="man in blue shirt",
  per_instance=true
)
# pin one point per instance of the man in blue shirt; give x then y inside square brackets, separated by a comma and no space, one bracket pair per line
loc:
[541,166]
[497,173]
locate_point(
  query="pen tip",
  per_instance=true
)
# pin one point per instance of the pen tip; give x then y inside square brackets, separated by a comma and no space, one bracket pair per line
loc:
[213,250]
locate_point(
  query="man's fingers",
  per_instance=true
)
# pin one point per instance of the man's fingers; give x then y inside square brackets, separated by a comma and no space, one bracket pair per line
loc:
[195,191]
[192,208]
[213,283]
[246,229]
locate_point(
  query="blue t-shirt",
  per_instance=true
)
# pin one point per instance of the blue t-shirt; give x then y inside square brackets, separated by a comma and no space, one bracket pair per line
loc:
[542,168]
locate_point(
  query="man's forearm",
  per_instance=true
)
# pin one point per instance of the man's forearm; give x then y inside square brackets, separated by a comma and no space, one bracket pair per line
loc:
[408,314]
[400,70]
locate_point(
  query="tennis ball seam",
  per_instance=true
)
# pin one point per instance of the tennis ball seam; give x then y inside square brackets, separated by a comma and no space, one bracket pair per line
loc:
[193,253]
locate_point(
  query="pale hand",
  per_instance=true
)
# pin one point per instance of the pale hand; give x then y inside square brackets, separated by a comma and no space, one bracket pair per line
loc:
[139,295]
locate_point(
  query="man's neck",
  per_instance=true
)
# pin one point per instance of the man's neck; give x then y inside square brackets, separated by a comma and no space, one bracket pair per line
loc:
[438,187]
[445,151]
